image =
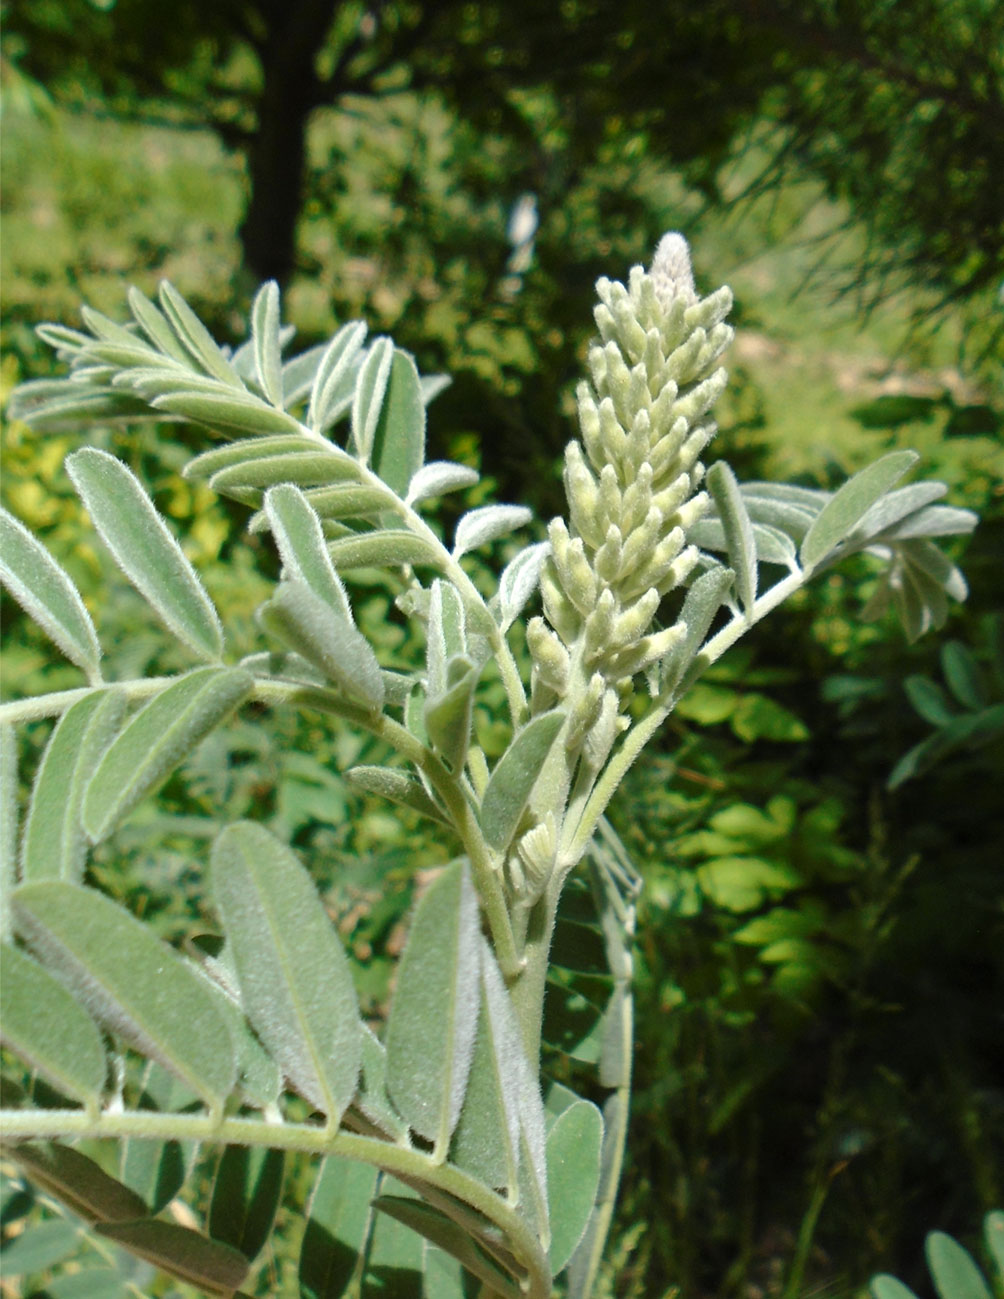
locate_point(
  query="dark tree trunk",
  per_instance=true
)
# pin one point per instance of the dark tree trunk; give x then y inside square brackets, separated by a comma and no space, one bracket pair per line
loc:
[290,92]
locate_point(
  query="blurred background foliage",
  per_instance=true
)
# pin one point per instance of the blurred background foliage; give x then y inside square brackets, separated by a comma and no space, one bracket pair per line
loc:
[820,1044]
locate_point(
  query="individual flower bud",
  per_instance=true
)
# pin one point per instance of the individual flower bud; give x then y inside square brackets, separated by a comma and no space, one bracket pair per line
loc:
[667,427]
[589,423]
[611,501]
[537,850]
[692,446]
[672,274]
[639,444]
[607,560]
[641,542]
[689,513]
[583,494]
[639,397]
[618,381]
[683,365]
[637,498]
[669,499]
[710,310]
[599,626]
[600,737]
[655,568]
[699,400]
[550,657]
[613,439]
[649,650]
[585,712]
[679,570]
[573,568]
[597,361]
[655,363]
[559,609]
[633,623]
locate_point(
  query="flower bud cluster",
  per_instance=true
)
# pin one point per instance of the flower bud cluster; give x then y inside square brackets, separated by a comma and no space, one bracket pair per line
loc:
[633,486]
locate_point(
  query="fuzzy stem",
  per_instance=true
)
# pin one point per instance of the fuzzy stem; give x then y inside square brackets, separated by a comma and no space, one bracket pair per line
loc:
[54,1124]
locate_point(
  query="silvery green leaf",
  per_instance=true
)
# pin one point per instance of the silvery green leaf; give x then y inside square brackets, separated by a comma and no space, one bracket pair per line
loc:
[339,1222]
[54,845]
[78,1182]
[519,581]
[895,507]
[155,326]
[573,1174]
[304,468]
[155,740]
[334,378]
[265,325]
[196,338]
[846,508]
[110,330]
[433,385]
[448,715]
[55,404]
[398,446]
[145,550]
[349,501]
[486,1139]
[446,633]
[446,1235]
[152,381]
[67,341]
[298,535]
[704,599]
[953,1269]
[433,1017]
[884,1286]
[42,1023]
[258,1078]
[280,663]
[295,981]
[437,478]
[963,675]
[308,625]
[39,1247]
[247,451]
[214,1269]
[398,787]
[925,556]
[384,550]
[299,373]
[240,413]
[244,362]
[487,523]
[509,787]
[933,521]
[246,1191]
[740,542]
[372,1098]
[117,356]
[47,594]
[8,824]
[131,981]
[772,545]
[368,398]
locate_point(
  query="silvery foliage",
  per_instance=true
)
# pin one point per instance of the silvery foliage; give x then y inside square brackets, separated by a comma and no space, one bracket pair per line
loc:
[436,1149]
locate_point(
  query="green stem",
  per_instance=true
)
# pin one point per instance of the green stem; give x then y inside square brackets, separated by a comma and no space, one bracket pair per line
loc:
[54,1124]
[577,836]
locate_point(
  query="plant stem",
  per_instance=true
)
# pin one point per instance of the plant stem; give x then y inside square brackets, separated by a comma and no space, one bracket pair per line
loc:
[311,1139]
